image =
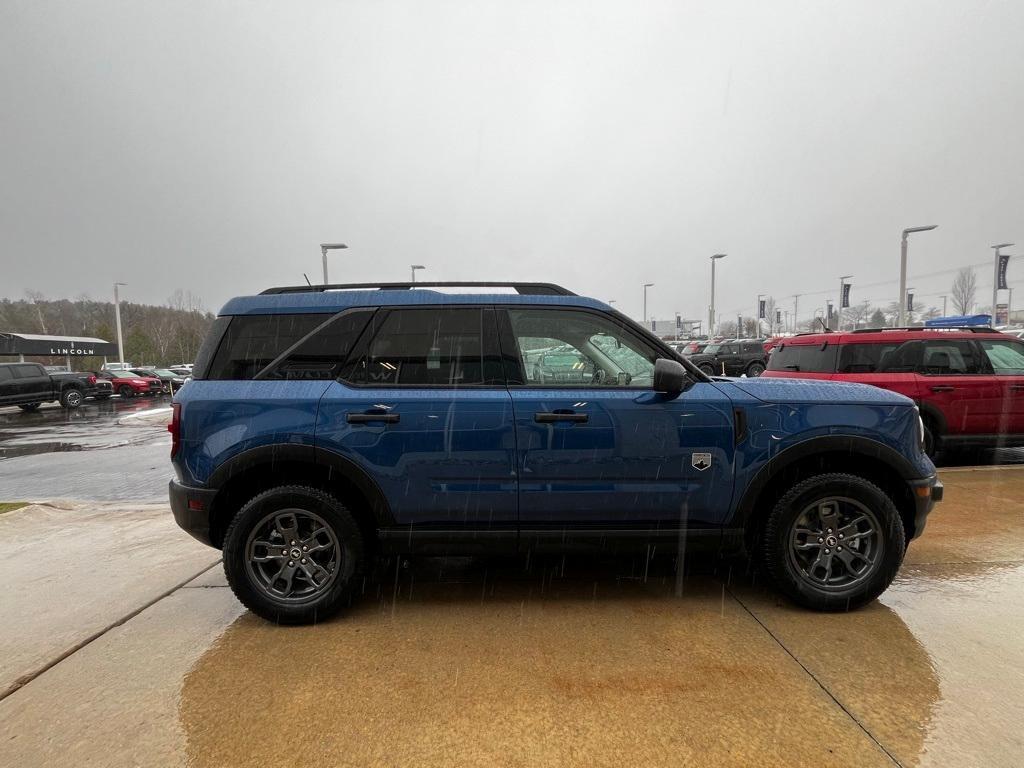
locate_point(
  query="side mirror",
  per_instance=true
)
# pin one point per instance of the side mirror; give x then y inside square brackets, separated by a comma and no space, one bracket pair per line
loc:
[669,376]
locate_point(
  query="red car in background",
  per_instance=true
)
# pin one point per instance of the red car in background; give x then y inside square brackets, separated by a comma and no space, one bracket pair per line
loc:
[967,382]
[128,384]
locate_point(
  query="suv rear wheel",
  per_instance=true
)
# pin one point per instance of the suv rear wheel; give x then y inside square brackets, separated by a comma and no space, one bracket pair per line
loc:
[833,542]
[71,398]
[755,369]
[292,554]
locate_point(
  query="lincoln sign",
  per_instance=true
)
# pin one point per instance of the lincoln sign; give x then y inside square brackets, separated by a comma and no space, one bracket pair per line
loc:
[12,344]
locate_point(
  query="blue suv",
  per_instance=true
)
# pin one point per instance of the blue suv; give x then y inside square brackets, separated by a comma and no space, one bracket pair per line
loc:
[328,425]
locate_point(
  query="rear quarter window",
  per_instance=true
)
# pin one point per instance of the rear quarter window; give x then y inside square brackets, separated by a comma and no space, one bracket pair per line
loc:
[251,342]
[804,358]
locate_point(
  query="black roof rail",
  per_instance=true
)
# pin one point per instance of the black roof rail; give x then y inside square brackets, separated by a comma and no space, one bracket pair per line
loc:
[964,328]
[524,289]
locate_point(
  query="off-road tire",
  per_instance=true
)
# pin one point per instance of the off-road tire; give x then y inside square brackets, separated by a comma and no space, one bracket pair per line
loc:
[345,528]
[777,536]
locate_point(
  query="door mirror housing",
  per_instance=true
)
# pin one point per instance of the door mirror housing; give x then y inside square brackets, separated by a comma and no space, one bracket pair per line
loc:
[669,376]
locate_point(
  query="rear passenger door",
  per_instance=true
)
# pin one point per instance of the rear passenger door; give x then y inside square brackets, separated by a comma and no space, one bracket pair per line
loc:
[7,385]
[422,406]
[1005,359]
[32,384]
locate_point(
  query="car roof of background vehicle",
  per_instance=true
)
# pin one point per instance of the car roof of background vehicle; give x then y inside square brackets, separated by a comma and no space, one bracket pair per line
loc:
[882,335]
[338,300]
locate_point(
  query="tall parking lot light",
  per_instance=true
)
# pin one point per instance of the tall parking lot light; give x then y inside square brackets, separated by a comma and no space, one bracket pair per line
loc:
[413,268]
[646,286]
[711,309]
[324,248]
[117,321]
[902,316]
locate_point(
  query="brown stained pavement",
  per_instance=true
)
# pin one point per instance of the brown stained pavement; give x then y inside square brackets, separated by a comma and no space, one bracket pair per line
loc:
[482,662]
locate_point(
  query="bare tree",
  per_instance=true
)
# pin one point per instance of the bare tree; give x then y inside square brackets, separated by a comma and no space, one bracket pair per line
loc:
[964,288]
[36,297]
[857,314]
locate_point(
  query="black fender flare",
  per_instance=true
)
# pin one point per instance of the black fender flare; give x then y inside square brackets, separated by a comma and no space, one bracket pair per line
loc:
[852,444]
[336,466]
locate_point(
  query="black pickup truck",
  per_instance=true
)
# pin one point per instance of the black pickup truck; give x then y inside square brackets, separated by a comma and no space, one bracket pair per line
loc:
[28,385]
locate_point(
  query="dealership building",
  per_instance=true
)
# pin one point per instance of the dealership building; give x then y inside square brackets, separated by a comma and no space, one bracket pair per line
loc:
[20,345]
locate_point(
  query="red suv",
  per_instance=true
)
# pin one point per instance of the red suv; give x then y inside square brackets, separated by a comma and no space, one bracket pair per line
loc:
[968,382]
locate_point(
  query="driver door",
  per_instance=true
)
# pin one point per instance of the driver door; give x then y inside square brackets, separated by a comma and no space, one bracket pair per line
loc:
[605,450]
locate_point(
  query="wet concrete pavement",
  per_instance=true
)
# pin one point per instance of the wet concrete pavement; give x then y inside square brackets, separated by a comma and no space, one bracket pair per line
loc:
[98,452]
[569,662]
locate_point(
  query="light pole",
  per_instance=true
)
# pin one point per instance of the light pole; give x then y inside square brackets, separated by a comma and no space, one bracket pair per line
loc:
[117,321]
[908,304]
[646,286]
[757,314]
[413,268]
[839,304]
[324,248]
[943,305]
[711,311]
[995,281]
[901,316]
[796,309]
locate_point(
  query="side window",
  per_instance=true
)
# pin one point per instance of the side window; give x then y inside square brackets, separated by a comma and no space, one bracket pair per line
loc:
[321,355]
[902,358]
[580,349]
[1005,357]
[429,347]
[252,342]
[752,349]
[28,371]
[813,358]
[949,357]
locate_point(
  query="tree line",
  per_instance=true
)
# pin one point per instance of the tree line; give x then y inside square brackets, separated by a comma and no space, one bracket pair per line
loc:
[153,335]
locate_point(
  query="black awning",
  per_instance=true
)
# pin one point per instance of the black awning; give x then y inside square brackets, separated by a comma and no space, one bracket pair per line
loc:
[54,346]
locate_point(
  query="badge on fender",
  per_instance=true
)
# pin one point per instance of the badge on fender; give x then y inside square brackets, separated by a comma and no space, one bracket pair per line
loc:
[701,461]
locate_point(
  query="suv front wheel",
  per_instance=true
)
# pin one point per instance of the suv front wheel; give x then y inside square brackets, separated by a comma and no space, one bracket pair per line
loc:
[833,542]
[292,554]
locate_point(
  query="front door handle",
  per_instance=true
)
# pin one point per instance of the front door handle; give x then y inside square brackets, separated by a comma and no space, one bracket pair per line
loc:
[547,417]
[1017,387]
[942,388]
[371,416]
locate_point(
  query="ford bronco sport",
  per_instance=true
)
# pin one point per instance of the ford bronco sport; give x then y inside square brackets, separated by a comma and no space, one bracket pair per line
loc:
[968,383]
[327,425]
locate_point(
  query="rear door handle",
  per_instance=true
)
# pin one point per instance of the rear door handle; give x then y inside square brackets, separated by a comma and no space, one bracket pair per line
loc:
[942,388]
[1017,387]
[547,417]
[366,418]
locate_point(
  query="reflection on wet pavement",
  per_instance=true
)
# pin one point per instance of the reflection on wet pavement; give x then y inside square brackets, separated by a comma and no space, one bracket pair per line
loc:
[568,662]
[85,454]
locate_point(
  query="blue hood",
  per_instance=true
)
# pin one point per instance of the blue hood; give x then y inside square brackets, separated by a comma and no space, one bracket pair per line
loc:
[779,390]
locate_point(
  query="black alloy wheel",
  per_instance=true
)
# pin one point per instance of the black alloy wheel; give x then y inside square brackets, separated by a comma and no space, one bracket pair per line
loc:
[292,553]
[833,542]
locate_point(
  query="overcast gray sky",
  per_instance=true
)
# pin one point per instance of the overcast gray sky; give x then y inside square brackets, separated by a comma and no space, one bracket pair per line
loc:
[212,146]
